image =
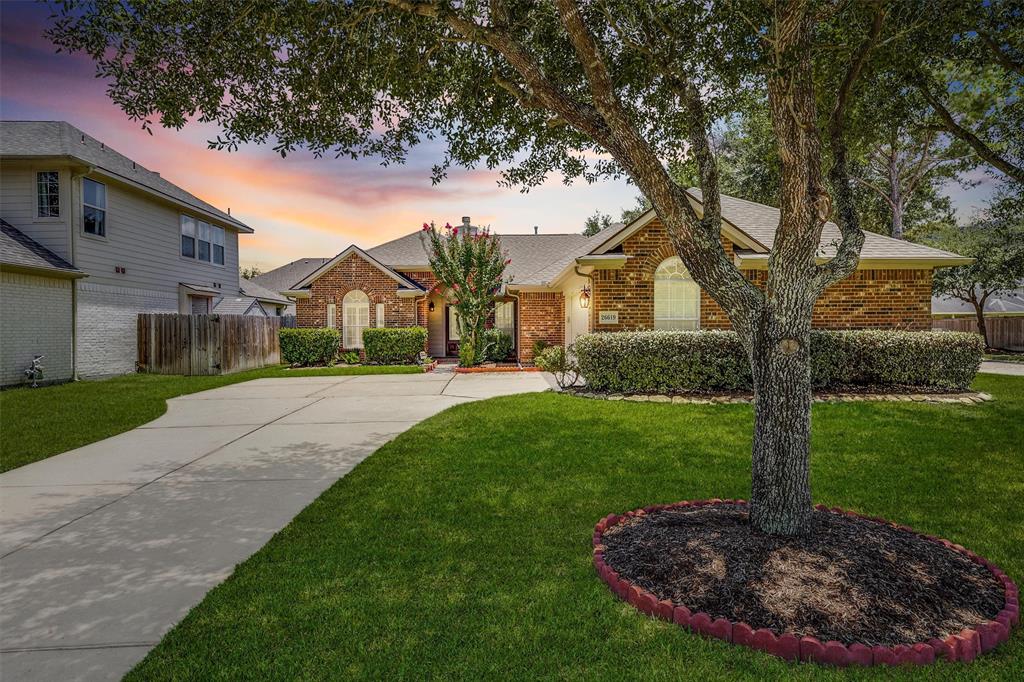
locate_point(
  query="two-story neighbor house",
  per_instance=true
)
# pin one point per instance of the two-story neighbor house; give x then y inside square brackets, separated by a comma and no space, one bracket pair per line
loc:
[92,239]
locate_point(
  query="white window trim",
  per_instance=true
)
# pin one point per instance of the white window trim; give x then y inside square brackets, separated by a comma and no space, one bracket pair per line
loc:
[361,310]
[688,279]
[60,199]
[106,211]
[212,242]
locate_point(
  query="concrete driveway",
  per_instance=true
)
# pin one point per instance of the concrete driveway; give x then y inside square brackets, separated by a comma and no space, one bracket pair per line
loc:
[104,548]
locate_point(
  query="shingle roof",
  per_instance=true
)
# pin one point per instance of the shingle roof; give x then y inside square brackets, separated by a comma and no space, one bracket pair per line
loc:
[283,278]
[532,255]
[236,305]
[759,221]
[255,290]
[19,250]
[27,139]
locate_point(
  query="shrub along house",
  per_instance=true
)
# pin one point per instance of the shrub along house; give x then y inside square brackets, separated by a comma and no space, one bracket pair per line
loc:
[625,277]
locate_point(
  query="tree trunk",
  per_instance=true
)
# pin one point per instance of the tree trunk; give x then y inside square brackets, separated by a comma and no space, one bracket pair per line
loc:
[979,312]
[780,502]
[897,219]
[895,196]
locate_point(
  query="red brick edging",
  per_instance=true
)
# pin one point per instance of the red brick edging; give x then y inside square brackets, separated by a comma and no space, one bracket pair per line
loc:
[964,646]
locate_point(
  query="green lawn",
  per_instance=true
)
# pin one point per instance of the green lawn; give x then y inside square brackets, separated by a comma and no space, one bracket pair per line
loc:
[36,423]
[462,548]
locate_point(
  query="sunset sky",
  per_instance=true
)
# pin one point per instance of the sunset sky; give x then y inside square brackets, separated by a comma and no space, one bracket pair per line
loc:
[299,206]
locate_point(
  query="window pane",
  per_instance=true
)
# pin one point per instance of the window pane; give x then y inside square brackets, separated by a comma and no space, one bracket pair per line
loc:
[188,246]
[188,225]
[218,255]
[47,194]
[355,318]
[218,235]
[676,297]
[95,193]
[204,250]
[95,221]
[379,314]
[204,231]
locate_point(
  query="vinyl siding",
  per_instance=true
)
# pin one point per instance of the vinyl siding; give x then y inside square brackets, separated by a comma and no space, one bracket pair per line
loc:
[143,237]
[18,204]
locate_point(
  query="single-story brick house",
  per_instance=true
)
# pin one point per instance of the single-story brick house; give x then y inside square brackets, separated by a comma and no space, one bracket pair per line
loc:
[625,277]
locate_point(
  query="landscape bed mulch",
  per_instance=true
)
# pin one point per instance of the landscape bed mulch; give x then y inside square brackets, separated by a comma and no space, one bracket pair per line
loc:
[849,580]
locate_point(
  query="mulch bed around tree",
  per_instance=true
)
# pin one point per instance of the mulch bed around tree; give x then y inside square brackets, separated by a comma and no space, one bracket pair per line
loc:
[850,580]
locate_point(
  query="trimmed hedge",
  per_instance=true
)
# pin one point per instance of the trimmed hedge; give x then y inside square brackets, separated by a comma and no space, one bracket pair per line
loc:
[673,361]
[309,345]
[394,345]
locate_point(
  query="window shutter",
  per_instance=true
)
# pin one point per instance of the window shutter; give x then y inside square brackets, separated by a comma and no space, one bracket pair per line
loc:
[331,315]
[380,314]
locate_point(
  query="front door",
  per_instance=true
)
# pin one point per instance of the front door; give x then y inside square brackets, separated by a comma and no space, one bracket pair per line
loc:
[451,342]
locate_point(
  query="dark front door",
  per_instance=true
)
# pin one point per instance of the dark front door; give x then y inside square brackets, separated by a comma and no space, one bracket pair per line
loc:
[451,332]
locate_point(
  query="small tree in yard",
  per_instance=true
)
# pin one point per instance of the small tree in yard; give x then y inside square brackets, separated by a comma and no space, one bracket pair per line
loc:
[996,242]
[470,267]
[580,88]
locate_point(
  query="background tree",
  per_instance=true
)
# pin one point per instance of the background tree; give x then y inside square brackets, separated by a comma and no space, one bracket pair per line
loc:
[596,223]
[975,85]
[470,267]
[250,272]
[996,241]
[585,89]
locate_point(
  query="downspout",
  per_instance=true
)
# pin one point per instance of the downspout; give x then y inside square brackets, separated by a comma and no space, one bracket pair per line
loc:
[72,251]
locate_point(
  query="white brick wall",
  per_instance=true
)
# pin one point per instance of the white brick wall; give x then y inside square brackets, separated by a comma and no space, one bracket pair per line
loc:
[107,326]
[35,319]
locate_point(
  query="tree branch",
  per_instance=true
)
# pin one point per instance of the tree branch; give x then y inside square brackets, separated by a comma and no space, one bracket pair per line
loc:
[1002,58]
[847,255]
[976,143]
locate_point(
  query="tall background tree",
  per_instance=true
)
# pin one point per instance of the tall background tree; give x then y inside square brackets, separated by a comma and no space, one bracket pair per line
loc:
[585,89]
[596,222]
[974,85]
[995,239]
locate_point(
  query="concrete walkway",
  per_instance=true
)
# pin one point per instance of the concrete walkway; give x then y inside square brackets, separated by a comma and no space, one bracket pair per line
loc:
[104,548]
[1011,368]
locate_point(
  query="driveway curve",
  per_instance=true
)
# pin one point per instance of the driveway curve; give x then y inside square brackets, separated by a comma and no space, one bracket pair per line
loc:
[104,548]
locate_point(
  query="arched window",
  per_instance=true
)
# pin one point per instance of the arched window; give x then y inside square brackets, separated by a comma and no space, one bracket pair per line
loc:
[355,317]
[676,296]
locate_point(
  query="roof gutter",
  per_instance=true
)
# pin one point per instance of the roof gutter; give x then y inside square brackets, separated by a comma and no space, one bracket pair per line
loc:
[760,262]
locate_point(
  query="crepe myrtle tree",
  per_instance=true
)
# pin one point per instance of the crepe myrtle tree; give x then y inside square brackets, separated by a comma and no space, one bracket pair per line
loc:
[470,268]
[581,88]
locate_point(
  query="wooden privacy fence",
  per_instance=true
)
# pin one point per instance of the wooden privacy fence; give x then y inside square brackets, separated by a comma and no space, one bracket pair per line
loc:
[1003,332]
[206,344]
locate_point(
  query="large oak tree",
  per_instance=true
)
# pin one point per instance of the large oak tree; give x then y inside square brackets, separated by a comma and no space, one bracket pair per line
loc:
[576,87]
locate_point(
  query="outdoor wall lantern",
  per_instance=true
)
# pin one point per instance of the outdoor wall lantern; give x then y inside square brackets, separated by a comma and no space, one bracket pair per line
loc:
[585,297]
[430,306]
